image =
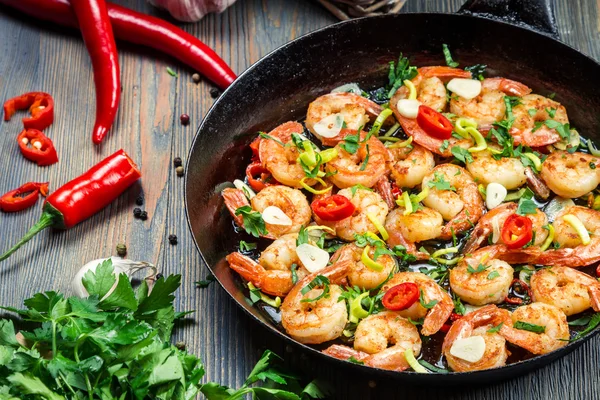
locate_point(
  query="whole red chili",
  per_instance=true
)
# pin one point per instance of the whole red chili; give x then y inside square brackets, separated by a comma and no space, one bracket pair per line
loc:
[37,147]
[40,105]
[137,28]
[98,37]
[23,197]
[84,196]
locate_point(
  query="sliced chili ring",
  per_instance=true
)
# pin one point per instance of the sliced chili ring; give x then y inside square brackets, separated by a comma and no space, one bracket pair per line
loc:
[255,145]
[434,123]
[259,177]
[41,108]
[37,147]
[401,297]
[333,208]
[23,197]
[517,231]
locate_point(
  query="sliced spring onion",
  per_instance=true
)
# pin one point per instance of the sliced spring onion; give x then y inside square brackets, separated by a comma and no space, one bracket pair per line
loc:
[275,216]
[596,203]
[357,312]
[573,141]
[579,228]
[537,163]
[422,195]
[308,156]
[528,270]
[592,148]
[451,261]
[240,185]
[481,190]
[480,143]
[512,196]
[348,88]
[388,139]
[408,209]
[327,229]
[412,90]
[404,143]
[470,349]
[495,195]
[313,190]
[549,239]
[555,206]
[466,88]
[312,257]
[373,236]
[392,130]
[378,225]
[461,125]
[329,126]
[368,261]
[441,252]
[380,120]
[276,302]
[328,155]
[412,361]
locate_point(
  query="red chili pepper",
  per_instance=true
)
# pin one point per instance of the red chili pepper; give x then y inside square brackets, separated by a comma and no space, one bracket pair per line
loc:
[517,231]
[445,328]
[396,191]
[454,316]
[37,147]
[84,196]
[333,208]
[259,177]
[524,286]
[137,28]
[401,297]
[598,271]
[98,37]
[24,197]
[40,105]
[434,123]
[255,147]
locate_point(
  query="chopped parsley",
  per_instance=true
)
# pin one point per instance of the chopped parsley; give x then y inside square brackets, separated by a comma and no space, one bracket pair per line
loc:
[496,328]
[429,305]
[480,268]
[477,71]
[440,183]
[253,221]
[461,154]
[444,146]
[319,280]
[551,112]
[366,161]
[449,61]
[593,322]
[245,246]
[526,204]
[493,275]
[526,326]
[398,73]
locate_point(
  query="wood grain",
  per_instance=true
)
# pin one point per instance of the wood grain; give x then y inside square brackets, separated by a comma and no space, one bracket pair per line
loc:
[37,56]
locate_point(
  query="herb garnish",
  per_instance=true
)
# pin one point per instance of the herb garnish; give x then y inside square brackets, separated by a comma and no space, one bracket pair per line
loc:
[477,70]
[440,183]
[526,204]
[496,328]
[319,280]
[245,246]
[449,61]
[429,305]
[253,221]
[526,326]
[398,73]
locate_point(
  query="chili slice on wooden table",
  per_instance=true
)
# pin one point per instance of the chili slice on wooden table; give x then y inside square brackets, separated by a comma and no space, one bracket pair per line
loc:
[37,147]
[23,197]
[434,123]
[40,105]
[401,297]
[517,231]
[333,208]
[84,196]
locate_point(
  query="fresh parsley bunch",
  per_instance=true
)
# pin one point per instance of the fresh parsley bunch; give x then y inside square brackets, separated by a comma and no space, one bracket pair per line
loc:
[115,344]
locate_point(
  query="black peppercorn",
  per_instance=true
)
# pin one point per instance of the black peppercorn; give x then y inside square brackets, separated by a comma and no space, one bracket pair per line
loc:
[177,162]
[121,250]
[139,201]
[180,345]
[137,212]
[214,93]
[173,239]
[185,119]
[144,216]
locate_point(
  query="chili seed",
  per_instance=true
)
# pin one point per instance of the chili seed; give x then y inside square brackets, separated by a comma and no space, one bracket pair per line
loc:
[196,78]
[185,119]
[137,212]
[173,239]
[177,162]
[121,250]
[214,93]
[140,200]
[144,216]
[179,171]
[180,345]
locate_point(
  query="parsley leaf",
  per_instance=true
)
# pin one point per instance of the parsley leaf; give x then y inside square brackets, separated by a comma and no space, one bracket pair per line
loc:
[351,143]
[440,183]
[245,246]
[444,146]
[449,61]
[366,161]
[526,204]
[592,324]
[319,280]
[398,73]
[253,221]
[496,328]
[526,326]
[210,278]
[461,154]
[480,268]
[493,275]
[302,236]
[429,305]
[477,70]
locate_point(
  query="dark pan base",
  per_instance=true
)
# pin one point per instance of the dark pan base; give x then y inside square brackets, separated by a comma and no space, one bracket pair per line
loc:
[280,86]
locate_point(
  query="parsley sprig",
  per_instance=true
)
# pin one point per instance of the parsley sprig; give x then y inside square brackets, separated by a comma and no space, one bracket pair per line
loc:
[398,73]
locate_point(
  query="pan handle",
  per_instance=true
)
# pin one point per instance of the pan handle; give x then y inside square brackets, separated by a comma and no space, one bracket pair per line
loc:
[533,14]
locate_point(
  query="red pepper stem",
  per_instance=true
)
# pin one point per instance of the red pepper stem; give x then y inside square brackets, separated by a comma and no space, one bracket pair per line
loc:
[47,220]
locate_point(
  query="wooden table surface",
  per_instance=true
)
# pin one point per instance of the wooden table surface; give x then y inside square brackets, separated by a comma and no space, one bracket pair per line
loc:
[39,57]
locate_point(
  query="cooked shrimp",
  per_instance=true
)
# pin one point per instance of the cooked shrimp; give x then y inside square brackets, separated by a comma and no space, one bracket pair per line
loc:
[507,171]
[292,202]
[380,341]
[477,323]
[494,220]
[359,274]
[566,288]
[554,321]
[524,130]
[490,285]
[234,199]
[569,174]
[281,254]
[488,107]
[366,202]
[435,316]
[461,206]
[313,322]
[282,161]
[356,110]
[423,224]
[565,235]
[365,167]
[410,165]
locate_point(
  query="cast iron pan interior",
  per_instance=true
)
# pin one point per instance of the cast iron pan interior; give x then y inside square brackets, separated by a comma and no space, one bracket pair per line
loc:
[279,88]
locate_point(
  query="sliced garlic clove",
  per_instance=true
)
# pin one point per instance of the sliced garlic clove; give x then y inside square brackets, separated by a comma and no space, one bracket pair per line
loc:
[313,258]
[495,194]
[466,88]
[470,349]
[495,230]
[408,108]
[275,216]
[240,185]
[329,126]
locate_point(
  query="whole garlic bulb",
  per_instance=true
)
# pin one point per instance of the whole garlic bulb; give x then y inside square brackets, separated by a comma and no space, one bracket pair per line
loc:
[191,10]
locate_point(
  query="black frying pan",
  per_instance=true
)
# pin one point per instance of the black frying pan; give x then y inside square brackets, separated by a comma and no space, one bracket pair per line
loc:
[517,39]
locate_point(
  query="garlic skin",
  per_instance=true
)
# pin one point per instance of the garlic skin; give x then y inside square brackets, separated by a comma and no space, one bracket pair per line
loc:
[120,265]
[191,10]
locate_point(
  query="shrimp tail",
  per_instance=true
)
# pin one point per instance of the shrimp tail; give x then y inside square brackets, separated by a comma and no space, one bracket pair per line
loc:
[579,256]
[273,282]
[234,199]
[384,188]
[345,353]
[437,317]
[536,184]
[396,239]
